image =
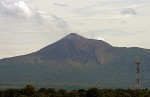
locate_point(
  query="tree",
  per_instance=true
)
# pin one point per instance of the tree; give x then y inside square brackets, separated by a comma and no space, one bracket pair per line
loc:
[93,92]
[11,93]
[42,90]
[2,93]
[39,95]
[29,90]
[82,93]
[73,93]
[51,92]
[62,93]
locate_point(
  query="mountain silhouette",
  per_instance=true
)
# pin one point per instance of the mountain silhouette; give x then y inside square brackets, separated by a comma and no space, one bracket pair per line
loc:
[75,61]
[75,49]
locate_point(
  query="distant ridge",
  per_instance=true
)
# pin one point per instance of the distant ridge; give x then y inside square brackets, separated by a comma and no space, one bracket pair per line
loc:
[79,62]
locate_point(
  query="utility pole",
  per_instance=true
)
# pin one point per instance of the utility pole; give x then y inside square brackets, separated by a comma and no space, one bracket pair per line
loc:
[138,74]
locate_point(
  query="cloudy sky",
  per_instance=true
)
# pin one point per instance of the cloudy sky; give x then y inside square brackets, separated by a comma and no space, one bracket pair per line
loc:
[28,25]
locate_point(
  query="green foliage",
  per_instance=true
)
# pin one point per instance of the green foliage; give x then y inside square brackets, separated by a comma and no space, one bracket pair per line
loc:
[93,92]
[62,93]
[42,90]
[29,91]
[11,93]
[82,92]
[73,93]
[2,93]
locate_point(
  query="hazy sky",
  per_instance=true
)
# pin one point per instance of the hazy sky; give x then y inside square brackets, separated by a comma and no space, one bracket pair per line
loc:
[28,25]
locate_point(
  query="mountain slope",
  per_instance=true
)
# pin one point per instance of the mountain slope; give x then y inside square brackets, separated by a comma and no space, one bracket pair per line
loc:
[74,48]
[79,62]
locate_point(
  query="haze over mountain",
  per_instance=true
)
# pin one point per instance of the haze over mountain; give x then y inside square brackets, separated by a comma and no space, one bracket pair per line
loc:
[74,62]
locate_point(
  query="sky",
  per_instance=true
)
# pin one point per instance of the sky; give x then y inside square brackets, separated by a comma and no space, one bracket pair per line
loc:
[29,25]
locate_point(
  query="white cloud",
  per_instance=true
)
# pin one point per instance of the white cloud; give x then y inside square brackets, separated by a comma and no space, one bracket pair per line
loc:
[98,38]
[94,35]
[18,9]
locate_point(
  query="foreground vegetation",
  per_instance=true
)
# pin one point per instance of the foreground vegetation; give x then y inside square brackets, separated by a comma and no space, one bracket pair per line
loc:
[30,91]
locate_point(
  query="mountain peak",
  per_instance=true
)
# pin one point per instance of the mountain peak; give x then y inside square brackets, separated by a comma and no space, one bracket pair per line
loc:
[73,36]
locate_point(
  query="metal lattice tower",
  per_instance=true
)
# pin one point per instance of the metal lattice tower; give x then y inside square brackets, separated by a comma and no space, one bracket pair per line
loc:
[138,74]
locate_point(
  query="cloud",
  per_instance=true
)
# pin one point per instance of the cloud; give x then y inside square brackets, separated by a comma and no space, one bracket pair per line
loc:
[98,38]
[59,4]
[129,11]
[18,9]
[59,22]
[93,35]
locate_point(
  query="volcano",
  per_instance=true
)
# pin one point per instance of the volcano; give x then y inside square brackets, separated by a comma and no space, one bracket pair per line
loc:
[77,62]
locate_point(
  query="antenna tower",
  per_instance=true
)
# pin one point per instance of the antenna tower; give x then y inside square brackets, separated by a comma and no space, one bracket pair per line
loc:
[138,74]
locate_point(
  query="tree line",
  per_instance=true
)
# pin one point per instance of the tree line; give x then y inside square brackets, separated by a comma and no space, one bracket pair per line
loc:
[30,91]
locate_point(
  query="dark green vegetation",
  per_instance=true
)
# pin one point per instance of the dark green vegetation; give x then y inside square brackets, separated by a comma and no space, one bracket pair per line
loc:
[76,62]
[30,91]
